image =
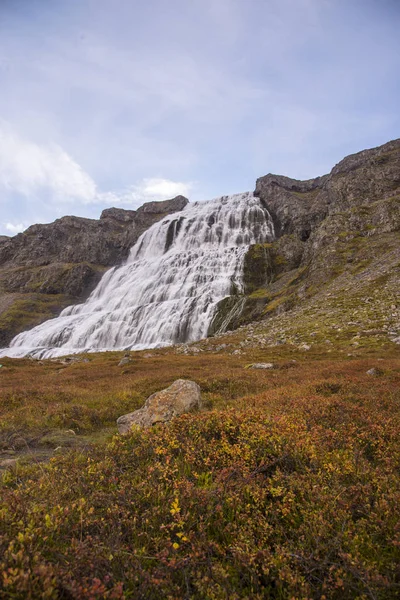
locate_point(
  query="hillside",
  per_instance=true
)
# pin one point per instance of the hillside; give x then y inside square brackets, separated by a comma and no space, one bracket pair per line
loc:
[339,231]
[285,486]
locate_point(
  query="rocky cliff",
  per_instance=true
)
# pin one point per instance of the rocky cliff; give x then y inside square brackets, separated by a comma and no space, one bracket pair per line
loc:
[341,229]
[51,266]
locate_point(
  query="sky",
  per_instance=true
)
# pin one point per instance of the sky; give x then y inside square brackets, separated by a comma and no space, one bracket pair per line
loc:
[118,102]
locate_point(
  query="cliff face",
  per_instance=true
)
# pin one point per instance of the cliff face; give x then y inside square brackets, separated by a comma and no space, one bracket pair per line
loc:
[298,207]
[48,267]
[339,230]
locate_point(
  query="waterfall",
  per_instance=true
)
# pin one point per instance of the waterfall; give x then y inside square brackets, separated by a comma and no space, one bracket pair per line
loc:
[169,287]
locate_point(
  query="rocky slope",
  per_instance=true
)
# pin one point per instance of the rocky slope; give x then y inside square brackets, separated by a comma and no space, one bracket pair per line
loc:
[340,230]
[51,266]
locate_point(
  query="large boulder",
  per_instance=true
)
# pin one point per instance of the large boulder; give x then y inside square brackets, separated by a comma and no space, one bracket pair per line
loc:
[181,397]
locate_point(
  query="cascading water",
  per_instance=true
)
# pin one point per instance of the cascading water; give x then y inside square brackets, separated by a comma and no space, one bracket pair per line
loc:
[167,291]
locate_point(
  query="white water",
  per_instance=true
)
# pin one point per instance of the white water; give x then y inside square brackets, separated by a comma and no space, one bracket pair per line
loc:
[168,289]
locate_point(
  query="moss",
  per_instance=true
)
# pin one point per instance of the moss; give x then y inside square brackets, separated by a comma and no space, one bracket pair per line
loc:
[28,312]
[53,278]
[309,194]
[257,267]
[361,266]
[386,157]
[280,302]
[279,259]
[263,264]
[260,293]
[297,276]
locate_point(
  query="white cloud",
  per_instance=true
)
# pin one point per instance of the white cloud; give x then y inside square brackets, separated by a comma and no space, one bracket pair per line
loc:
[159,189]
[47,171]
[14,228]
[30,169]
[147,190]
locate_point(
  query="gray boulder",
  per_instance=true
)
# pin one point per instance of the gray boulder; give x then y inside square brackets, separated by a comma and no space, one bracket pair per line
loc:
[181,397]
[124,361]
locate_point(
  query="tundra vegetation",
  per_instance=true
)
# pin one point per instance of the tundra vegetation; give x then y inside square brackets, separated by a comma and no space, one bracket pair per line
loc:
[286,485]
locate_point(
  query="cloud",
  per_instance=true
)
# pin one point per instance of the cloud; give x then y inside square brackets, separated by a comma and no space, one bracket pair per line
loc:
[14,228]
[145,191]
[213,91]
[29,169]
[159,189]
[46,174]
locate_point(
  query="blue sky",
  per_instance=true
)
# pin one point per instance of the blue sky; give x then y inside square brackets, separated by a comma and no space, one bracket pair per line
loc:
[117,102]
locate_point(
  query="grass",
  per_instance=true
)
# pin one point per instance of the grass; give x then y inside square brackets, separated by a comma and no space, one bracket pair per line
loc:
[27,311]
[285,485]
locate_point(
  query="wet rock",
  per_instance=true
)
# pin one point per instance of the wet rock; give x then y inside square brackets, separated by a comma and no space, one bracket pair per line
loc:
[181,397]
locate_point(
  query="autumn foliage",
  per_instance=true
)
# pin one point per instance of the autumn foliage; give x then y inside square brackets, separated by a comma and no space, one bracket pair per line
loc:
[288,493]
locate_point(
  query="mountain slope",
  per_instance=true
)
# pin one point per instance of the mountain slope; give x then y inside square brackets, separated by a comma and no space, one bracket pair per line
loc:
[336,234]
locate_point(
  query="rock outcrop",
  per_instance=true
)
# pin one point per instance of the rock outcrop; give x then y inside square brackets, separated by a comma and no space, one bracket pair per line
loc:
[331,225]
[298,207]
[50,266]
[181,397]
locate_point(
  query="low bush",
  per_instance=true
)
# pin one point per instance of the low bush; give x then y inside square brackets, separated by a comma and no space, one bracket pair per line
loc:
[298,498]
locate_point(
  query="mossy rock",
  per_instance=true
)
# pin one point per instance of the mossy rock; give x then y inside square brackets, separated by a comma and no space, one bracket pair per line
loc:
[258,267]
[227,314]
[263,263]
[29,310]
